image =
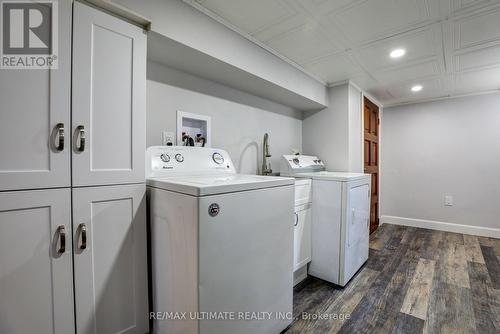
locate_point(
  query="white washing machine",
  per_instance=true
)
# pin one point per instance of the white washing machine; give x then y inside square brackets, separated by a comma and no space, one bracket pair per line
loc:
[340,217]
[221,244]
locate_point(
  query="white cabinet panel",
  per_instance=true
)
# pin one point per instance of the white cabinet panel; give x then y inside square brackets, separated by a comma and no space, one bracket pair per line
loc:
[33,103]
[302,236]
[109,90]
[111,269]
[36,280]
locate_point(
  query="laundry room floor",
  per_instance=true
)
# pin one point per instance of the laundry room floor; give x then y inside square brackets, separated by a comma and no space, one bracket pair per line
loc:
[415,281]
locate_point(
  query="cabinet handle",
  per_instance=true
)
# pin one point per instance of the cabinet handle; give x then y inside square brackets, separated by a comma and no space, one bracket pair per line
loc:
[60,134]
[81,130]
[83,232]
[296,219]
[61,230]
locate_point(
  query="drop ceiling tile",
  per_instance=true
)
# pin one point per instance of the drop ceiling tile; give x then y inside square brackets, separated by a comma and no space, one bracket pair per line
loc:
[481,57]
[368,20]
[409,72]
[477,81]
[304,44]
[432,87]
[335,68]
[324,6]
[282,27]
[380,94]
[365,81]
[477,29]
[459,6]
[419,44]
[250,16]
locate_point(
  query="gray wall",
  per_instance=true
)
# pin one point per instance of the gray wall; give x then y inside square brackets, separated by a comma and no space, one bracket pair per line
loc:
[334,133]
[449,147]
[239,120]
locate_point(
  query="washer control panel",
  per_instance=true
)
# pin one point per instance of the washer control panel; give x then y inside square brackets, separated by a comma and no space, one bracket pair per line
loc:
[173,160]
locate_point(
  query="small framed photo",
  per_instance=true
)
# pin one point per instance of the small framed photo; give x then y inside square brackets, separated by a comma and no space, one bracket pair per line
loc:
[193,129]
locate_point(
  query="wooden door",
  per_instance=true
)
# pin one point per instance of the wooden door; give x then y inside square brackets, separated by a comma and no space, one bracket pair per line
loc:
[33,104]
[111,291]
[108,99]
[371,148]
[36,271]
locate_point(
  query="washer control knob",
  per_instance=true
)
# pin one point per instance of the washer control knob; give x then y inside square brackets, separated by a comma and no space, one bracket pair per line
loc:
[218,158]
[165,157]
[296,161]
[179,157]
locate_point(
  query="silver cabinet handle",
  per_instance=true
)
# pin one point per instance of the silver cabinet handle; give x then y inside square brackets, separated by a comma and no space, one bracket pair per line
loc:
[61,230]
[60,134]
[83,234]
[81,130]
[296,219]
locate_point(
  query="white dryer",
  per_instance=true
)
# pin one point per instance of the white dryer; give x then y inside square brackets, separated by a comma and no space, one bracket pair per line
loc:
[221,244]
[340,217]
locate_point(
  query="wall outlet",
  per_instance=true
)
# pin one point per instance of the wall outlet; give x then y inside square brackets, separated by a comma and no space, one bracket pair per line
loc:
[167,138]
[448,200]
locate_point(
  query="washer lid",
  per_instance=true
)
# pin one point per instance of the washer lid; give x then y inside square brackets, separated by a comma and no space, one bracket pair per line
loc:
[333,176]
[203,185]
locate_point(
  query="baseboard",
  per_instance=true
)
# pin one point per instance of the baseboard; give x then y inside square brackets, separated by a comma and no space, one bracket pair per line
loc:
[442,226]
[299,275]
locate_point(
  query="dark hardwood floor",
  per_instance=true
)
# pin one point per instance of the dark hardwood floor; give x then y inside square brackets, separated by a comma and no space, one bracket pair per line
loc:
[415,281]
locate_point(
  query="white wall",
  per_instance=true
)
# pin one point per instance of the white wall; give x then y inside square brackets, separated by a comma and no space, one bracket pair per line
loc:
[448,147]
[334,134]
[239,120]
[184,24]
[356,157]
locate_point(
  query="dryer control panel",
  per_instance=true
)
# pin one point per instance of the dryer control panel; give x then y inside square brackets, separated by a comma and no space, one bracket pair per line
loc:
[292,164]
[178,160]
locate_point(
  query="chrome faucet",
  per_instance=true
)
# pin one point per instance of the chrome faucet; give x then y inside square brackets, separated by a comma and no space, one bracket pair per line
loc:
[266,167]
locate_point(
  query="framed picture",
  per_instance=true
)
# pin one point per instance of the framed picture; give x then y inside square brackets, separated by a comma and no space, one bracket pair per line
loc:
[193,129]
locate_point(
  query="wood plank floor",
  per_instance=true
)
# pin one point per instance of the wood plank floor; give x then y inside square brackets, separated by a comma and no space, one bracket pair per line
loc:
[415,281]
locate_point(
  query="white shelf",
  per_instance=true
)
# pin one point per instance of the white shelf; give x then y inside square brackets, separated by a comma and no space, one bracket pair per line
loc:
[165,51]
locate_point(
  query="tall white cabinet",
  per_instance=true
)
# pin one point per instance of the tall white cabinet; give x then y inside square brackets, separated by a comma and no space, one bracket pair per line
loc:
[109,97]
[35,120]
[72,194]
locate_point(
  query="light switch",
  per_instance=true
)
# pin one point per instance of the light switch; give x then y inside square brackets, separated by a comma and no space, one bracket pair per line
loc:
[448,200]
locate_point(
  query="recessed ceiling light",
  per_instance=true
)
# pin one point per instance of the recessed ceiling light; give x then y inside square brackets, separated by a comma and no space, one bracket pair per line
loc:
[416,88]
[397,53]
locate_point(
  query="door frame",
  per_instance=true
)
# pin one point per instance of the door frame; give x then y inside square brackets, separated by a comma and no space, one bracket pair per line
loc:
[379,153]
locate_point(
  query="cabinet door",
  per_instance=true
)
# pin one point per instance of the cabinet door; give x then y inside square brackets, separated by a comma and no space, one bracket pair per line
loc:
[34,102]
[36,277]
[357,228]
[302,237]
[109,226]
[109,90]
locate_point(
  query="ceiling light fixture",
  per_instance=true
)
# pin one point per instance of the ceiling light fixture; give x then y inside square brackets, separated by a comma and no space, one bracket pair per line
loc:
[416,88]
[397,53]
